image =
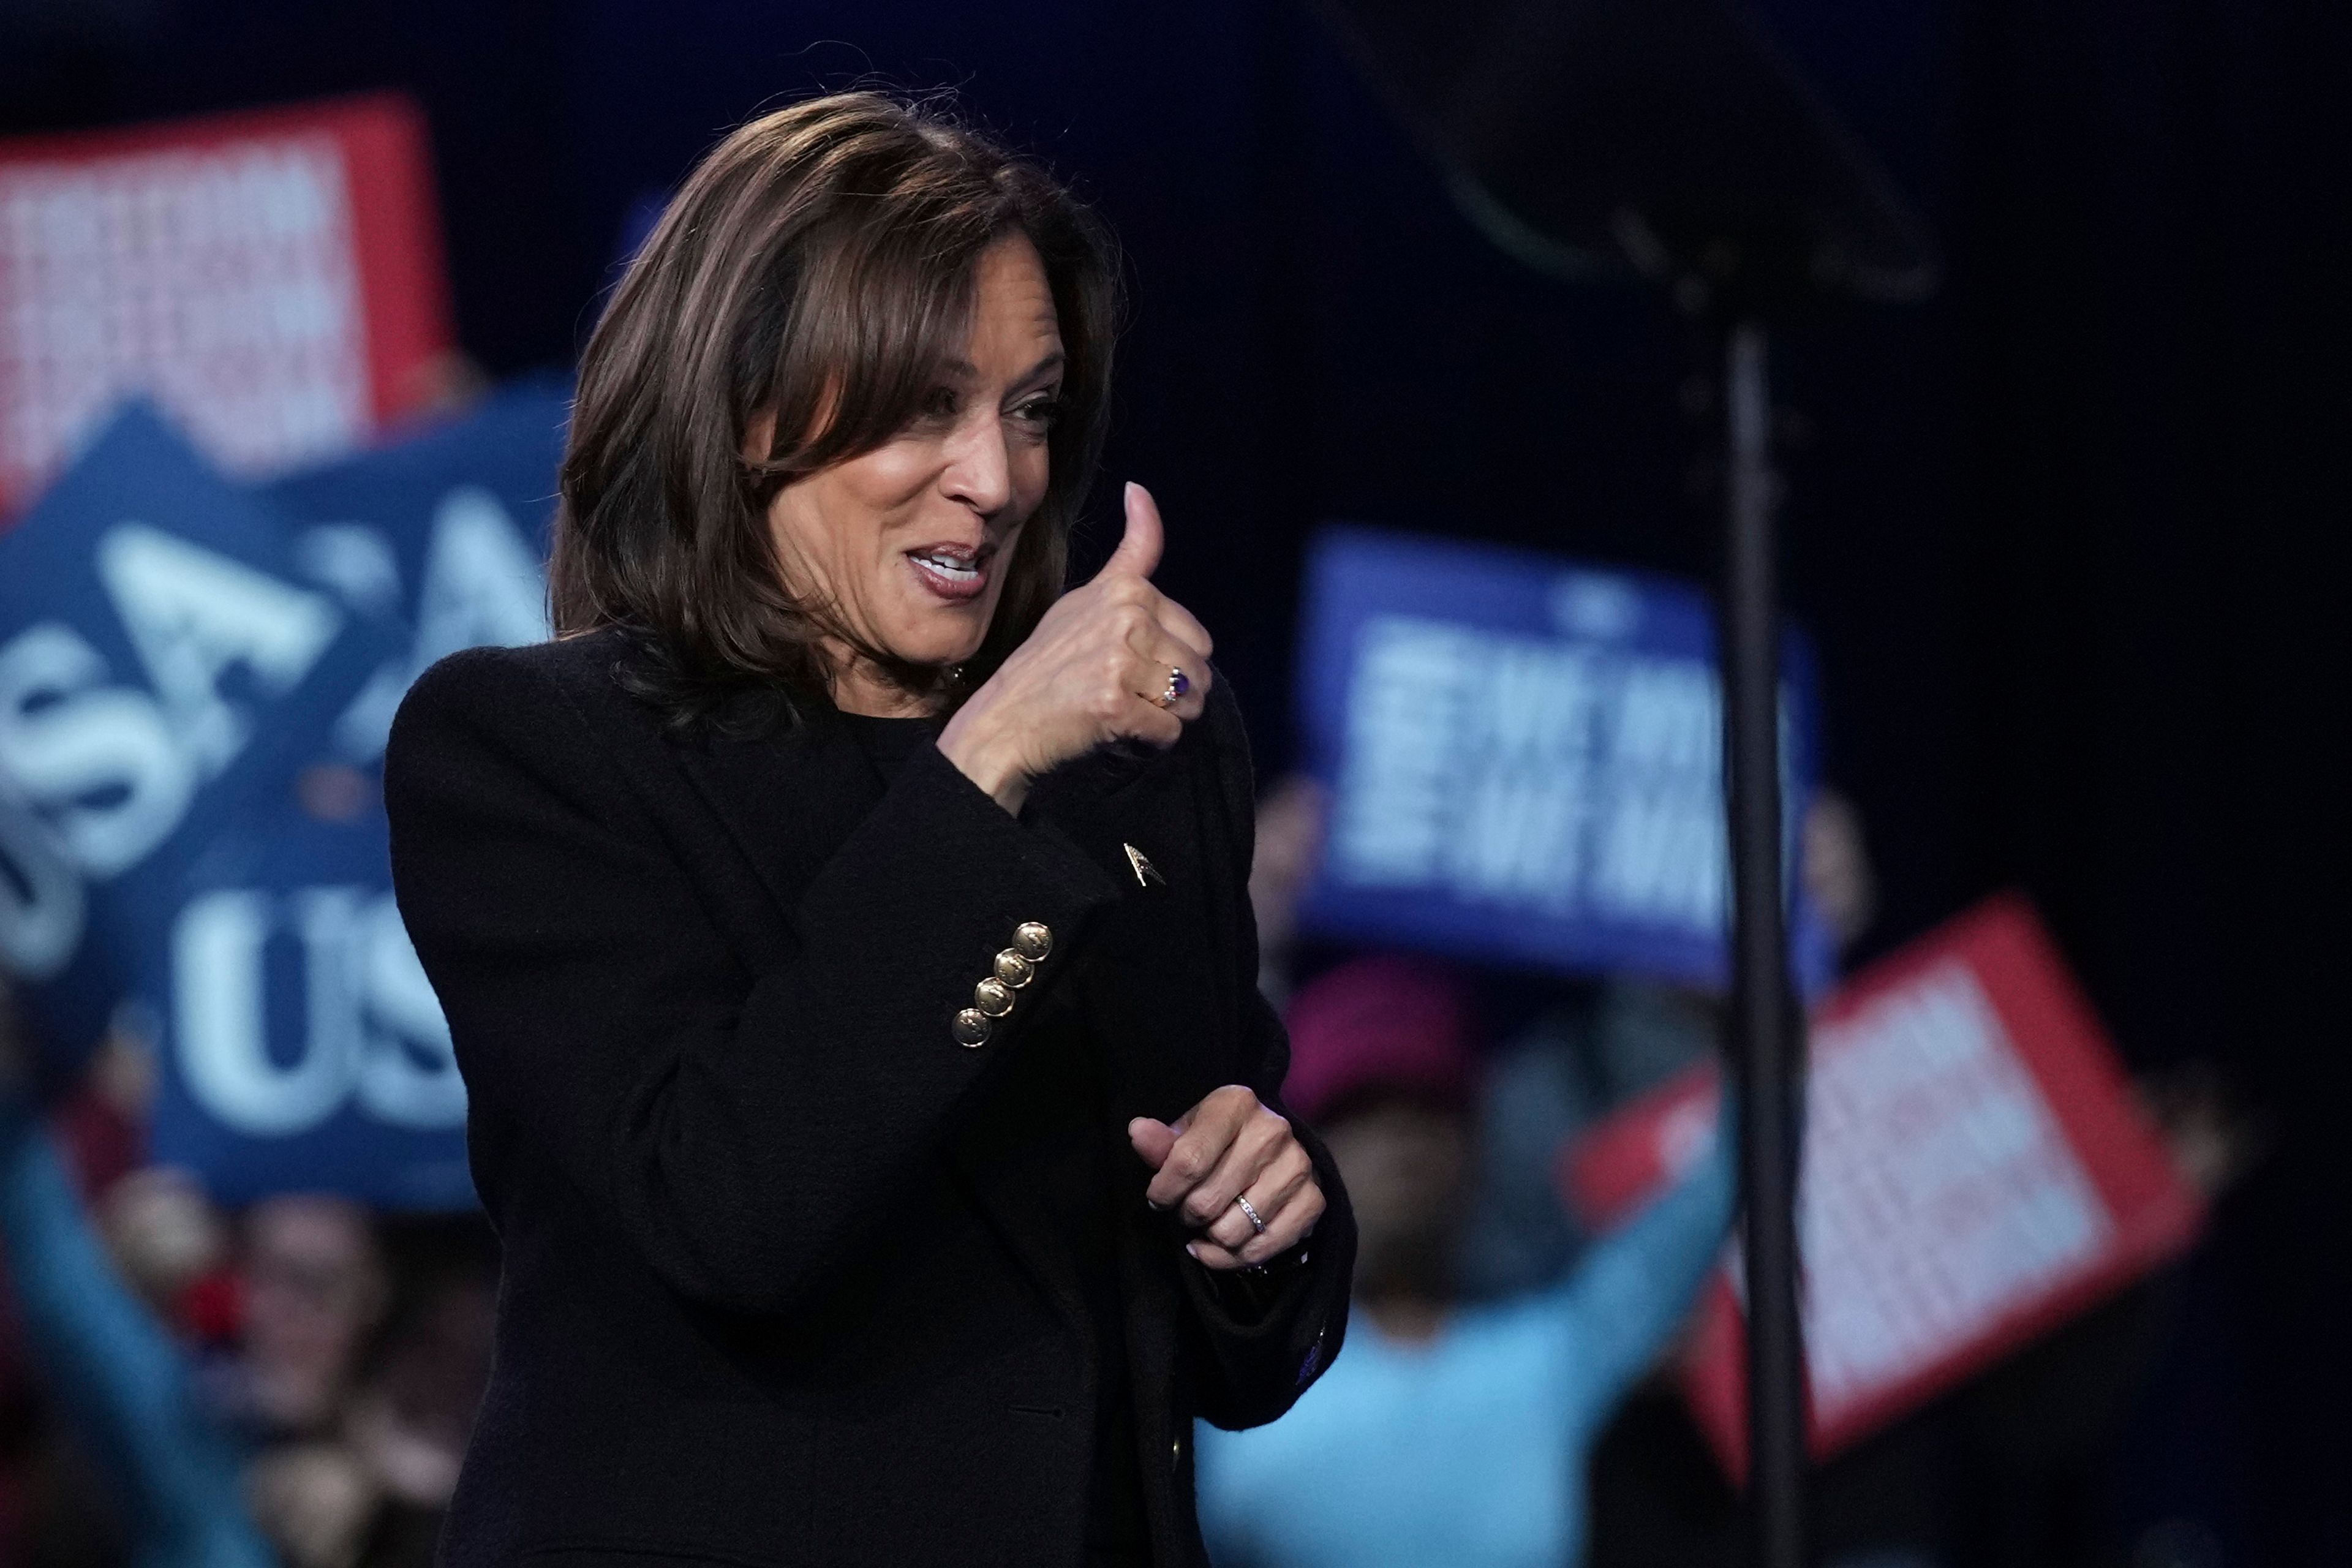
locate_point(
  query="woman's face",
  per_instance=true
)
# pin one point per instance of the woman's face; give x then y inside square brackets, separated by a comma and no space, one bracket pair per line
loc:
[909,542]
[1406,1166]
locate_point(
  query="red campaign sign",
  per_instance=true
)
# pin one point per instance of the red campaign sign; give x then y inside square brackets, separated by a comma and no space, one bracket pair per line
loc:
[1976,1171]
[273,279]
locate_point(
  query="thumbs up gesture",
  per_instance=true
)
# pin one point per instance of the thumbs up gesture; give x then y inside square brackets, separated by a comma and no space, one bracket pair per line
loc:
[1114,659]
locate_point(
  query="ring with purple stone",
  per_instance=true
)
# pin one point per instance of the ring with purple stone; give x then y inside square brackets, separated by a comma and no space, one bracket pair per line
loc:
[1179,683]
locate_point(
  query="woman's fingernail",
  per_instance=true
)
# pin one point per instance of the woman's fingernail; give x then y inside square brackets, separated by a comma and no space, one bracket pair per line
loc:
[1192,1249]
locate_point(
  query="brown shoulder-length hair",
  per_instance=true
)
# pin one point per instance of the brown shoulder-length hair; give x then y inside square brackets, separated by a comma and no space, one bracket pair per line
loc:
[817,264]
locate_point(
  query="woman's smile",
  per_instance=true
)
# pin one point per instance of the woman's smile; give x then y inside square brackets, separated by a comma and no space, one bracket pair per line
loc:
[955,573]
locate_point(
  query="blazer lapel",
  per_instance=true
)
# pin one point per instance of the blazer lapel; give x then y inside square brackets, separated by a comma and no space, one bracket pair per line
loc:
[1155,986]
[788,801]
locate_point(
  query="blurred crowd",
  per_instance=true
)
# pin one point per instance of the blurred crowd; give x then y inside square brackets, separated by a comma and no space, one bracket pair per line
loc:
[1506,1396]
[293,1384]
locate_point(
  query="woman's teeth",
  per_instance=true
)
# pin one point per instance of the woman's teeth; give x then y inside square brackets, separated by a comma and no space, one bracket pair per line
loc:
[950,567]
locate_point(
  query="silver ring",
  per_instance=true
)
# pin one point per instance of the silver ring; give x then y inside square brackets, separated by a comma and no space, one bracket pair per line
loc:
[1256,1224]
[1179,683]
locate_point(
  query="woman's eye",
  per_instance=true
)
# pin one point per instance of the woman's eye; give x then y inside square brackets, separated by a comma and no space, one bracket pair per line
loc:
[1040,412]
[939,403]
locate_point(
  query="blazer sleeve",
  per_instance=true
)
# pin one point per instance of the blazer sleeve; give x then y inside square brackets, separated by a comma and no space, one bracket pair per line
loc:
[1265,1339]
[743,1131]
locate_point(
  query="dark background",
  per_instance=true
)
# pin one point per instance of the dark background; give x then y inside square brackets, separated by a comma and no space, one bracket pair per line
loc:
[2057,531]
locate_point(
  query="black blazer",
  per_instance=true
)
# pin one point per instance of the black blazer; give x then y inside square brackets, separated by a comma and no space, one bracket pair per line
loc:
[784,1280]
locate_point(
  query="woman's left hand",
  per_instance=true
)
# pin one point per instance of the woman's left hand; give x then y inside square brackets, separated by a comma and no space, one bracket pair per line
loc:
[1225,1148]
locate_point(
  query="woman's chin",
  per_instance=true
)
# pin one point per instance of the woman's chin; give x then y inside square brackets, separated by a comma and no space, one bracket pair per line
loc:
[940,634]
[939,646]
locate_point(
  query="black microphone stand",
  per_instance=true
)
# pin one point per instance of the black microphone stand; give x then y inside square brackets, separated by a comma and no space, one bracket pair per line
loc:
[1584,135]
[1772,1060]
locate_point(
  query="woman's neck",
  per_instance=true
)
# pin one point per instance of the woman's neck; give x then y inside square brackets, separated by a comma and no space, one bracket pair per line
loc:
[857,689]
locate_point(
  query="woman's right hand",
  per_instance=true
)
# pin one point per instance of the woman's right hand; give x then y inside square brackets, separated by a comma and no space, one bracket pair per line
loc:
[1091,673]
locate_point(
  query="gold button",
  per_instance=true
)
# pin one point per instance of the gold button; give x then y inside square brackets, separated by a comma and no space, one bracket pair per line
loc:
[971,1027]
[1176,1453]
[1032,941]
[992,996]
[1014,970]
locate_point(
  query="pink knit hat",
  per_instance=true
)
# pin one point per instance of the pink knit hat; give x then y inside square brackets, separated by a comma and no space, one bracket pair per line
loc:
[1387,1022]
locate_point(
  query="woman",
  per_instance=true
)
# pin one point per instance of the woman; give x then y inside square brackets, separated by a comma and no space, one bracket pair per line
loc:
[844,932]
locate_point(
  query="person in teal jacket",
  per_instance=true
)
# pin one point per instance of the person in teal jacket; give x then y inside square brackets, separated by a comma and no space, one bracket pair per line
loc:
[1449,1434]
[124,1388]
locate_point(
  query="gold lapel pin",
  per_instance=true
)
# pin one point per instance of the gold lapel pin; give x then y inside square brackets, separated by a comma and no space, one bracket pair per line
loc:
[1146,873]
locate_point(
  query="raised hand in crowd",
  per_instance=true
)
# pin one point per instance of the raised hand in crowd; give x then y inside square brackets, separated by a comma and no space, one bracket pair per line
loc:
[1835,866]
[1291,820]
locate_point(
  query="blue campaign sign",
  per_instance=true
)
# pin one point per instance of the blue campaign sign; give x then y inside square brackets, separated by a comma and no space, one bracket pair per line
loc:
[302,1046]
[445,532]
[303,1049]
[1525,756]
[153,637]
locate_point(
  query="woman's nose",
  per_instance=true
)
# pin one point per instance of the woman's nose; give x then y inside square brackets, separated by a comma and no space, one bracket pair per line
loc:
[979,467]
